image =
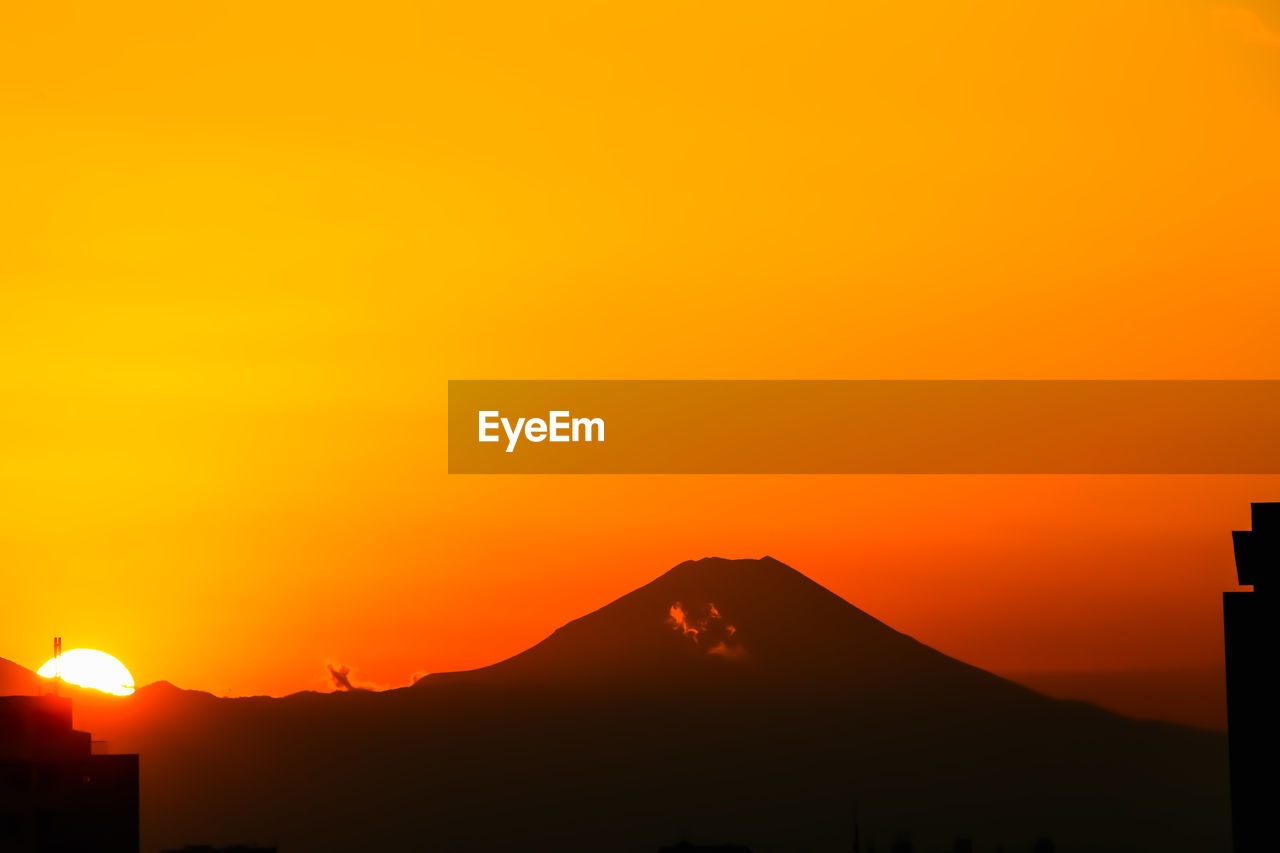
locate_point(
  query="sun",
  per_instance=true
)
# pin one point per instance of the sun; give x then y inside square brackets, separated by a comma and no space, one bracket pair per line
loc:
[90,668]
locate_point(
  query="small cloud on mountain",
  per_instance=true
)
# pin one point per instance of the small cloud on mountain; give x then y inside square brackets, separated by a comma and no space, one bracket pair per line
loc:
[724,650]
[711,631]
[680,621]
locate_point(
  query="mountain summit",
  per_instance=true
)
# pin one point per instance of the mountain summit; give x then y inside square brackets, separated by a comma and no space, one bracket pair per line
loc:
[747,620]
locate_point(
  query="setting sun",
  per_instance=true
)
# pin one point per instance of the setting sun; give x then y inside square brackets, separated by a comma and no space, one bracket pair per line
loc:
[90,668]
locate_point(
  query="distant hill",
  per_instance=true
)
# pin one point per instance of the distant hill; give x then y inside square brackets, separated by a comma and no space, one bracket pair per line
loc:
[17,680]
[726,701]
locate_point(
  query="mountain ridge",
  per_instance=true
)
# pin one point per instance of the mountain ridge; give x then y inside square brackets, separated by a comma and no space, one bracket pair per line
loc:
[724,699]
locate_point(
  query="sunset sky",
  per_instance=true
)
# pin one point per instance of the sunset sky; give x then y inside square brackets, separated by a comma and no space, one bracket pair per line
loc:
[243,249]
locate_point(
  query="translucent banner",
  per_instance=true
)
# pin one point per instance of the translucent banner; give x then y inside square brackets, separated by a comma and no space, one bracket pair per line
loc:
[863,427]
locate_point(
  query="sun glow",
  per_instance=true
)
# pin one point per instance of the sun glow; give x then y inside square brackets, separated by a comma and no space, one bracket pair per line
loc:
[90,668]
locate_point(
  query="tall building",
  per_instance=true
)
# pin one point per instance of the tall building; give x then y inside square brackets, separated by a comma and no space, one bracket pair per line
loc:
[56,796]
[1250,621]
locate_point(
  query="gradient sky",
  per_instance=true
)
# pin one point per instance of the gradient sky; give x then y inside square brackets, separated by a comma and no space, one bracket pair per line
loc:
[242,249]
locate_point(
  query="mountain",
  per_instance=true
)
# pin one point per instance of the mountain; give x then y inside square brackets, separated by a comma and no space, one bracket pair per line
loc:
[726,701]
[17,680]
[756,622]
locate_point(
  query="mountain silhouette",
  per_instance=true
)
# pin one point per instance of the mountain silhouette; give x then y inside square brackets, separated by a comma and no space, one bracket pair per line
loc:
[728,700]
[17,680]
[771,626]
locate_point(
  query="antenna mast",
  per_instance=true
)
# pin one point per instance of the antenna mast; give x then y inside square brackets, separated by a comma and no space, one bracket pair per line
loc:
[57,663]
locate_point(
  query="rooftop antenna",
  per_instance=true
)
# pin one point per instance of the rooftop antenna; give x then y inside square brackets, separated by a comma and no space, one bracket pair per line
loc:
[57,663]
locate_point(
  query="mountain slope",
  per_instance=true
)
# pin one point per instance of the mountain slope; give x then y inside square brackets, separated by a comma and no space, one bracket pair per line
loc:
[17,680]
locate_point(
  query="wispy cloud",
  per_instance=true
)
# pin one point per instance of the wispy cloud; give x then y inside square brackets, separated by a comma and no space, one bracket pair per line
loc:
[341,676]
[711,631]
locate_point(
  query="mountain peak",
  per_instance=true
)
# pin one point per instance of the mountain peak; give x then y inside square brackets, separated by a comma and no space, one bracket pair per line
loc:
[747,619]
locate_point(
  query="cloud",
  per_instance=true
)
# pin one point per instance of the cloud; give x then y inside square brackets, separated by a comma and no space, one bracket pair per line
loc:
[680,621]
[724,650]
[712,631]
[341,676]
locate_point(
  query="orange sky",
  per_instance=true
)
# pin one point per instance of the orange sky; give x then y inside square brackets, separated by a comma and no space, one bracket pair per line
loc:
[241,250]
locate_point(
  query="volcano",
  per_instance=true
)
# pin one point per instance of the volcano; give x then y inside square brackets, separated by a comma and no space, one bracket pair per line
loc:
[726,701]
[757,623]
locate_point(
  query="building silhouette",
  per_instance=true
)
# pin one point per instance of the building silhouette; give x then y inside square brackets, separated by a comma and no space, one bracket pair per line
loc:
[56,796]
[1250,623]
